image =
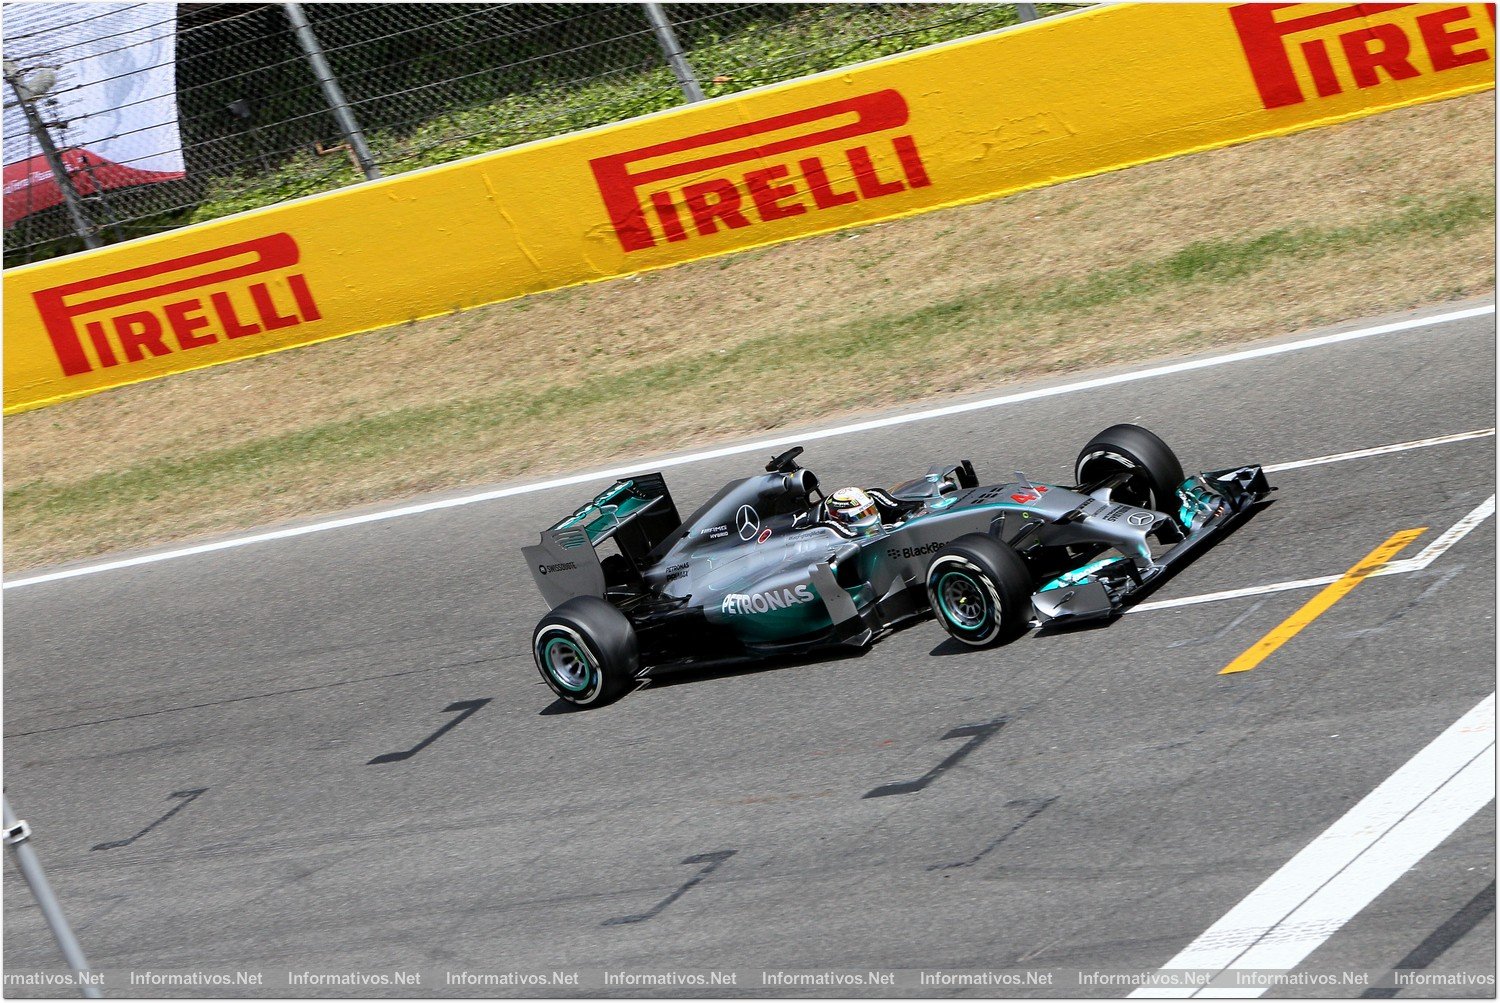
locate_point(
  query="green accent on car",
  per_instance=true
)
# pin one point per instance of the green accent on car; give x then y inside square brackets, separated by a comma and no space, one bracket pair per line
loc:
[1079,575]
[1197,501]
[796,620]
[780,624]
[578,653]
[612,507]
[949,614]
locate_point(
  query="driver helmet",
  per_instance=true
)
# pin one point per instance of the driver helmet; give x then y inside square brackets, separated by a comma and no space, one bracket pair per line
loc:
[854,509]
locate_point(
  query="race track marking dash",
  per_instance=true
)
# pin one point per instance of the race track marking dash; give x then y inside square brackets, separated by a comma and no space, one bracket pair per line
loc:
[1321,603]
[977,735]
[187,798]
[711,862]
[466,707]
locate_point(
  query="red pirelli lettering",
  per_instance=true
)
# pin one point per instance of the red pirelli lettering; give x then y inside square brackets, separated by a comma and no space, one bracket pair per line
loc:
[773,201]
[304,297]
[228,319]
[1370,51]
[185,317]
[260,295]
[140,330]
[630,179]
[1443,40]
[865,176]
[1378,47]
[825,196]
[102,346]
[85,323]
[712,202]
[666,211]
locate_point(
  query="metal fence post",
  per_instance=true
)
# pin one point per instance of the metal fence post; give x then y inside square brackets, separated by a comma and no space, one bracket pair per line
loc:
[667,39]
[332,92]
[18,837]
[81,224]
[1026,11]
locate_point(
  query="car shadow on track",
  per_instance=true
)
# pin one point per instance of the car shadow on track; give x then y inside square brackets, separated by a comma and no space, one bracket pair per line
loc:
[665,678]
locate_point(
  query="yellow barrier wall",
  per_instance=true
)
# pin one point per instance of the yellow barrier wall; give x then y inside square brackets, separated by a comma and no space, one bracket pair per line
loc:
[967,121]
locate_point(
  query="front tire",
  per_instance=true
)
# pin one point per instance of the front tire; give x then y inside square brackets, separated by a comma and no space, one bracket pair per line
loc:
[980,591]
[1156,471]
[586,651]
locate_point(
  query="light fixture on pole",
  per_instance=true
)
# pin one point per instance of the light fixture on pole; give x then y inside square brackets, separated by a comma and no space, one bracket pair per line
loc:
[17,835]
[28,88]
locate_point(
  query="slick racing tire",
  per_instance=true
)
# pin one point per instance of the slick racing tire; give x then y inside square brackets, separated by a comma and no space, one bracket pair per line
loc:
[586,651]
[1130,447]
[980,591]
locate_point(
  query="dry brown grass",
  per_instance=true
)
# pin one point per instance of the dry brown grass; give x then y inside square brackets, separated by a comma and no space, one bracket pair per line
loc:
[464,399]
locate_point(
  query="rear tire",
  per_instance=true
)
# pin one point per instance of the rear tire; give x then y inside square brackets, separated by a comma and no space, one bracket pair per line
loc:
[586,651]
[980,591]
[1158,473]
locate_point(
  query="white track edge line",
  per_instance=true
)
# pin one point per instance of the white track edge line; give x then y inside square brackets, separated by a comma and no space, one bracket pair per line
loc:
[1348,893]
[1395,447]
[612,473]
[1332,851]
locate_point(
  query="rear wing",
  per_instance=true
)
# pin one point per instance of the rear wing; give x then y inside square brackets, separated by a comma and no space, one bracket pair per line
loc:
[637,514]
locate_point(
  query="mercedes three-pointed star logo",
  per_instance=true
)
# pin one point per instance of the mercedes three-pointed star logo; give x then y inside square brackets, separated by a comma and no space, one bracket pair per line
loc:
[747,522]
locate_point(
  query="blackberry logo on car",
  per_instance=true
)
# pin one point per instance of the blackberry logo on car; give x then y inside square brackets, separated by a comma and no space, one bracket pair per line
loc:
[902,553]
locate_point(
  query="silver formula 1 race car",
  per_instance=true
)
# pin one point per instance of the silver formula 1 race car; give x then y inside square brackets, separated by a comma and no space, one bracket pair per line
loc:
[770,565]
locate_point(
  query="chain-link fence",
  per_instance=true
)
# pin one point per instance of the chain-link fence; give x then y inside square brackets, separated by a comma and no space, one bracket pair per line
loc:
[254,124]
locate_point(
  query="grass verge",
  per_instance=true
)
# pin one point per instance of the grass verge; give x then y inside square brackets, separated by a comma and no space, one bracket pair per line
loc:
[941,303]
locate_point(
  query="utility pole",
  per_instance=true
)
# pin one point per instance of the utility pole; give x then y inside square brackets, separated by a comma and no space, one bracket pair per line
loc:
[18,838]
[672,49]
[81,225]
[332,92]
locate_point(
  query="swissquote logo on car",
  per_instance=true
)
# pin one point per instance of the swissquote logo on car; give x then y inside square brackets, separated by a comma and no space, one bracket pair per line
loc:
[176,305]
[799,162]
[1336,49]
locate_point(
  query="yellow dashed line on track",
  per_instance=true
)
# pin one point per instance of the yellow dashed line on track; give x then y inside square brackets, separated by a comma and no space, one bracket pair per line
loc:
[1320,603]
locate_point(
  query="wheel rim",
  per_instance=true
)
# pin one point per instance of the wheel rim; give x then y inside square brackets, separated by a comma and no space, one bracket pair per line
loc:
[568,664]
[962,600]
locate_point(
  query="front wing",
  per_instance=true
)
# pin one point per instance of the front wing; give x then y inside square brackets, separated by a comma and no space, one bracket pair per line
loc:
[1211,504]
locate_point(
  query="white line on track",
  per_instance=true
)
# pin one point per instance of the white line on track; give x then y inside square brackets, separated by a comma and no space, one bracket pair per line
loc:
[1437,440]
[1430,553]
[612,473]
[1437,548]
[1244,593]
[1343,870]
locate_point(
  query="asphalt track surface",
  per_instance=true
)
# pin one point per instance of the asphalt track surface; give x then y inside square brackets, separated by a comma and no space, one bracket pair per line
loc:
[1130,798]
